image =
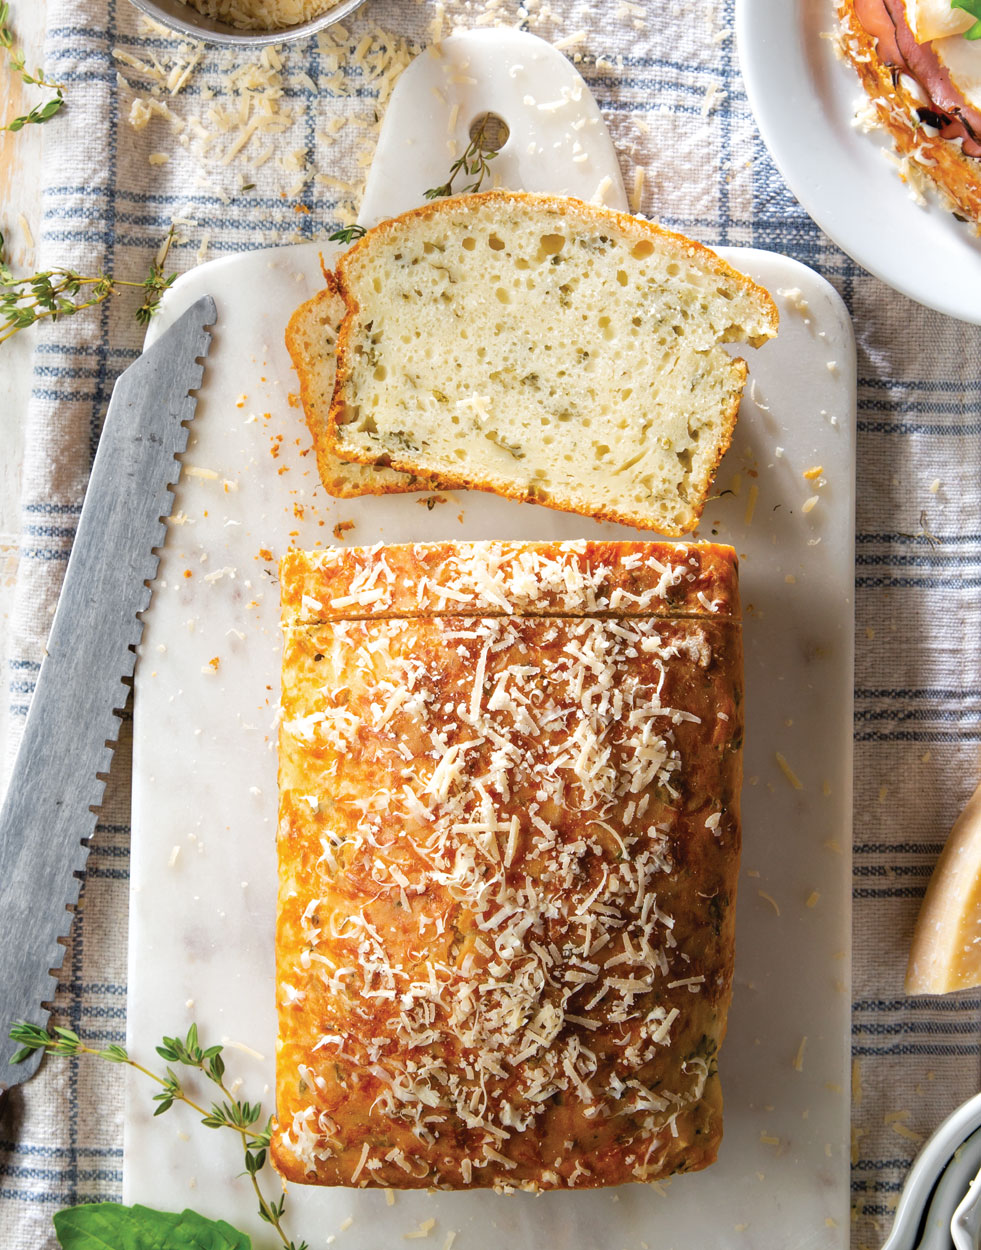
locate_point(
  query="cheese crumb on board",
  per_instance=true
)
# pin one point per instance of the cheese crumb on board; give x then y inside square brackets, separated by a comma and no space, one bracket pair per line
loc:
[795,298]
[424,1229]
[788,772]
[754,494]
[799,1057]
[599,195]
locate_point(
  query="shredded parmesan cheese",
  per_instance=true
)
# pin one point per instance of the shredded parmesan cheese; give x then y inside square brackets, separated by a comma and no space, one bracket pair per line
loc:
[788,772]
[799,1057]
[513,897]
[262,14]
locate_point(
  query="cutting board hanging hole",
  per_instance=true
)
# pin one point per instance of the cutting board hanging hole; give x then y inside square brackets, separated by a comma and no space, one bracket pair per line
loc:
[489,130]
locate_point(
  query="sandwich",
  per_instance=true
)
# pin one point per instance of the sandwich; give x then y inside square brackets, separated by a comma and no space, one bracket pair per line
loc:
[920,63]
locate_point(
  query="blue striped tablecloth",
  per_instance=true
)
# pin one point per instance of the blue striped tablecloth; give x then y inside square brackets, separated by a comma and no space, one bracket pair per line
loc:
[669,86]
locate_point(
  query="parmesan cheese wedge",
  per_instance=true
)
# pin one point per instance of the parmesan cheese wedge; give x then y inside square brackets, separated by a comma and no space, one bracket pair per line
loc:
[946,951]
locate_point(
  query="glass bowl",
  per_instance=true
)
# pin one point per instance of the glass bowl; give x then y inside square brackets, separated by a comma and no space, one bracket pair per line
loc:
[187,21]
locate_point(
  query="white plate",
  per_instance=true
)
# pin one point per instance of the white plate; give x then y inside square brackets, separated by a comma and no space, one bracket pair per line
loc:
[804,100]
[204,790]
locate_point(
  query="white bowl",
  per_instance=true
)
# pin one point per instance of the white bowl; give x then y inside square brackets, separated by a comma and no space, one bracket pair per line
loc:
[927,1169]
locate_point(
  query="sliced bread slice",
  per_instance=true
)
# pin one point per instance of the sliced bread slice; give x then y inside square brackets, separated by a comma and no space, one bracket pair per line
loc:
[547,350]
[311,337]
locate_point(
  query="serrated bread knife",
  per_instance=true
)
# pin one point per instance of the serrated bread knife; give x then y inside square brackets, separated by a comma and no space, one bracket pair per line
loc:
[59,774]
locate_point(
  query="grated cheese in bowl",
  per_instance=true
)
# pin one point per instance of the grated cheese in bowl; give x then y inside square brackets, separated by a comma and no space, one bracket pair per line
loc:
[246,23]
[262,14]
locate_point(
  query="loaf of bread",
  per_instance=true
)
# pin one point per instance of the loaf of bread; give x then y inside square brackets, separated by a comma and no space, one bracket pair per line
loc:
[915,98]
[508,850]
[547,350]
[311,338]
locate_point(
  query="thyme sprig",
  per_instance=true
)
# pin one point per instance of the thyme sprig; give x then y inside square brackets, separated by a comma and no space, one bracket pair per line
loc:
[474,163]
[41,112]
[61,292]
[347,234]
[229,1112]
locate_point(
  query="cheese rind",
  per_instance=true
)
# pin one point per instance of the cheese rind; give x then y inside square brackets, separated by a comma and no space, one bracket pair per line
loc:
[945,954]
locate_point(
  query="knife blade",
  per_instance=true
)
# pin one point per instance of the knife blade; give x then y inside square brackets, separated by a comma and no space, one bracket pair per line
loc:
[61,767]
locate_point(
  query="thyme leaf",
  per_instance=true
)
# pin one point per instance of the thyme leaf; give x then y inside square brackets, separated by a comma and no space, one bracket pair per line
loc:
[156,282]
[229,1112]
[347,234]
[40,112]
[61,292]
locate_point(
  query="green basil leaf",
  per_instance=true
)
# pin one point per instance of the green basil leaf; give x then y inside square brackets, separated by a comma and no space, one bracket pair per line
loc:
[109,1226]
[974,8]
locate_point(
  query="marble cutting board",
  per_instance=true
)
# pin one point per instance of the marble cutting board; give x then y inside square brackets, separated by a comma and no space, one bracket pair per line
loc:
[204,787]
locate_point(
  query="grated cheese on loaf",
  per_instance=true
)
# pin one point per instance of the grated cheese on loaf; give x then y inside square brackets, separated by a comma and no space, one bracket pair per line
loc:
[506,925]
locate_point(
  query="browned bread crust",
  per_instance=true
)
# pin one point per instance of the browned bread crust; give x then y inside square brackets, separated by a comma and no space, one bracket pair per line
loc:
[929,160]
[576,578]
[508,862]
